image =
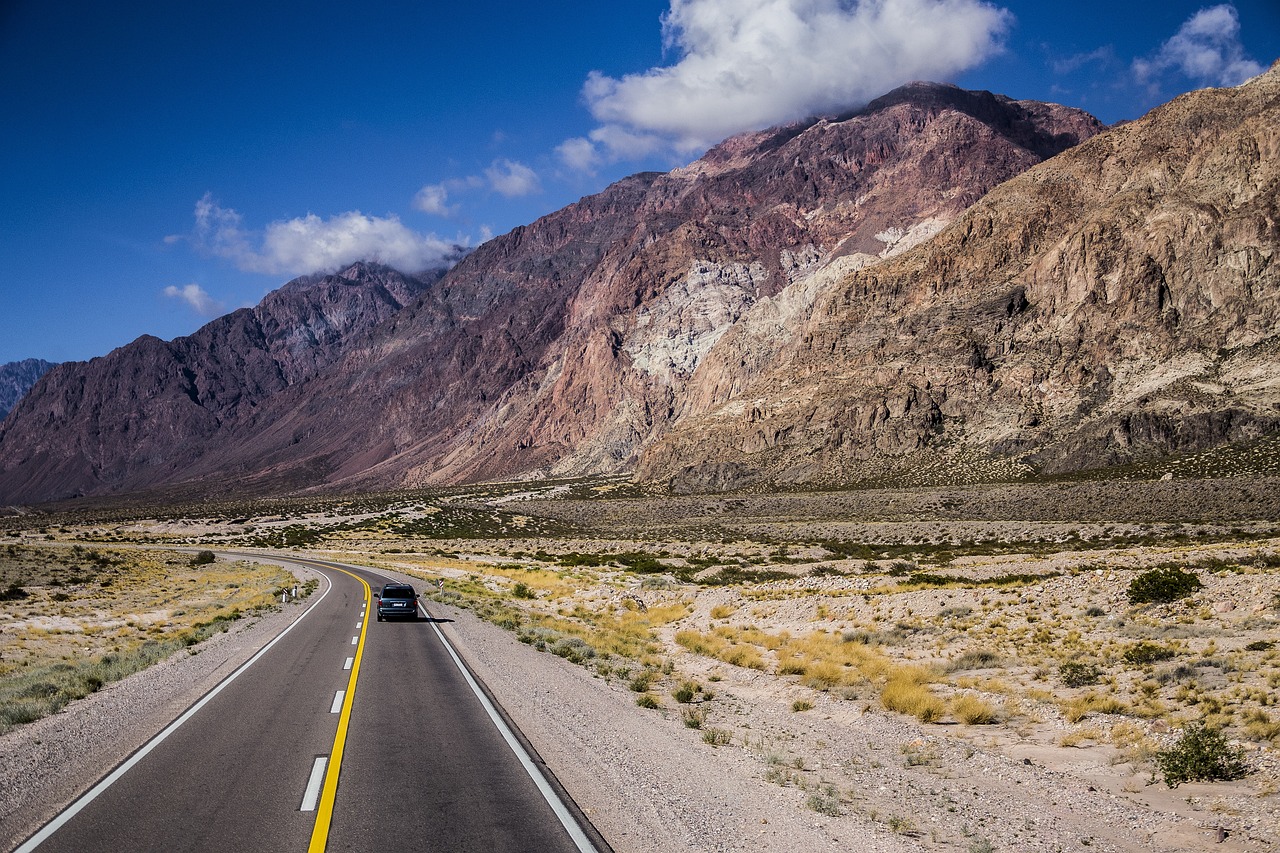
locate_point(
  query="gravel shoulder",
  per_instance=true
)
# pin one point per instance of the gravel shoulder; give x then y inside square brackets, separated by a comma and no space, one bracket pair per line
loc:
[651,784]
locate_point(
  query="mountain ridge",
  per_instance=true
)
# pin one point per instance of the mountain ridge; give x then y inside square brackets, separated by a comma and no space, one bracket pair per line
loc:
[830,300]
[1115,303]
[17,378]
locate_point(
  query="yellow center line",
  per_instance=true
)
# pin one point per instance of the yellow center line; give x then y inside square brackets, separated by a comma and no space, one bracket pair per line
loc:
[328,794]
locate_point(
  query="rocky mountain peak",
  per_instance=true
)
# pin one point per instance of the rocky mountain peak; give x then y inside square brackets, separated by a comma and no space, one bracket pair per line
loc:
[17,378]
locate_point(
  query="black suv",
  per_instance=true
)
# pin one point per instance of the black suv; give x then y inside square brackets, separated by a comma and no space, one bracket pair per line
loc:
[397,600]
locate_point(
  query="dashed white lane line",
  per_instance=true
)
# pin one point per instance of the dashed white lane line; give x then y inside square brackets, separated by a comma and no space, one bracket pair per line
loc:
[312,795]
[349,662]
[358,624]
[337,702]
[355,641]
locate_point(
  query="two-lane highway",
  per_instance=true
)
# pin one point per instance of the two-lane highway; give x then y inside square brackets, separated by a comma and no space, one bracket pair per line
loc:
[340,735]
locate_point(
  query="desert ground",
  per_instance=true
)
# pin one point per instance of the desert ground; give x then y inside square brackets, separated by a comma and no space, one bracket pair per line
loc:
[967,668]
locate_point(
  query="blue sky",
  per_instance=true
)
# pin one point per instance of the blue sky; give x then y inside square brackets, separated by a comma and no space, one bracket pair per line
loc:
[163,163]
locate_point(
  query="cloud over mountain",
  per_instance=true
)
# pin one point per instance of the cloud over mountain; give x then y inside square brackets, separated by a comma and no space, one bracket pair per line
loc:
[310,244]
[1206,50]
[196,297]
[747,64]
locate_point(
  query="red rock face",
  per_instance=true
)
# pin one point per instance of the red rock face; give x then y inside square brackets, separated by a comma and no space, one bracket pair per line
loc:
[568,345]
[1116,303]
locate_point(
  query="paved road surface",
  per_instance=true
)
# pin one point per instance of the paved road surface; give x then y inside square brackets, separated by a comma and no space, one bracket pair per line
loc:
[424,765]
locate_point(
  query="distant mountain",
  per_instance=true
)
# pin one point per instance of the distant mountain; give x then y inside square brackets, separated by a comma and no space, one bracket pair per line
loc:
[16,379]
[619,328]
[1116,304]
[140,415]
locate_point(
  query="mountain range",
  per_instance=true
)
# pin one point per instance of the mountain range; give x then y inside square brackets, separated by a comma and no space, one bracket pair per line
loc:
[940,284]
[17,378]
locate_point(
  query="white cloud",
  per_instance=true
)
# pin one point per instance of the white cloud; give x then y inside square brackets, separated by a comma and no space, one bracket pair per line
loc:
[512,179]
[579,154]
[434,199]
[747,64]
[1206,50]
[196,297]
[311,244]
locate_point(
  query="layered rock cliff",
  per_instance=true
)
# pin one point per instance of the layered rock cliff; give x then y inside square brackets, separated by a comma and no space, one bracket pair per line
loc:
[1116,303]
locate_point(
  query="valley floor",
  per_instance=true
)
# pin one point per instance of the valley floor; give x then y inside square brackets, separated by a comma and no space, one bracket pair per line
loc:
[950,680]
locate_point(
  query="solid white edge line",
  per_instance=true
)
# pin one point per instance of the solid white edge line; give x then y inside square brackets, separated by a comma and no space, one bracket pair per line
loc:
[92,794]
[337,701]
[312,795]
[548,793]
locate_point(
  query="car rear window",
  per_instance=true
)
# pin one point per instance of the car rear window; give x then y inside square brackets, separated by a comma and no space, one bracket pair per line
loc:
[398,592]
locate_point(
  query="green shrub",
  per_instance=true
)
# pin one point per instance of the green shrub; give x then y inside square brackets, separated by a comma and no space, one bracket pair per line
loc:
[975,659]
[647,700]
[1079,674]
[573,649]
[203,558]
[1202,754]
[521,590]
[693,717]
[641,682]
[1141,653]
[1162,584]
[716,737]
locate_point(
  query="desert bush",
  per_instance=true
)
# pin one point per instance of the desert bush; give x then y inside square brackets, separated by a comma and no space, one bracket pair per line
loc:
[975,659]
[1260,726]
[791,665]
[744,656]
[522,590]
[573,649]
[641,681]
[647,700]
[1079,674]
[1077,709]
[1142,653]
[1201,754]
[973,711]
[1260,646]
[699,643]
[693,718]
[716,737]
[908,696]
[826,802]
[1162,584]
[801,705]
[823,675]
[685,692]
[203,558]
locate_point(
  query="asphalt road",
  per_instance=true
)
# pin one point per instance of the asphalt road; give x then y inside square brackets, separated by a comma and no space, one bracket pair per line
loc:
[425,760]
